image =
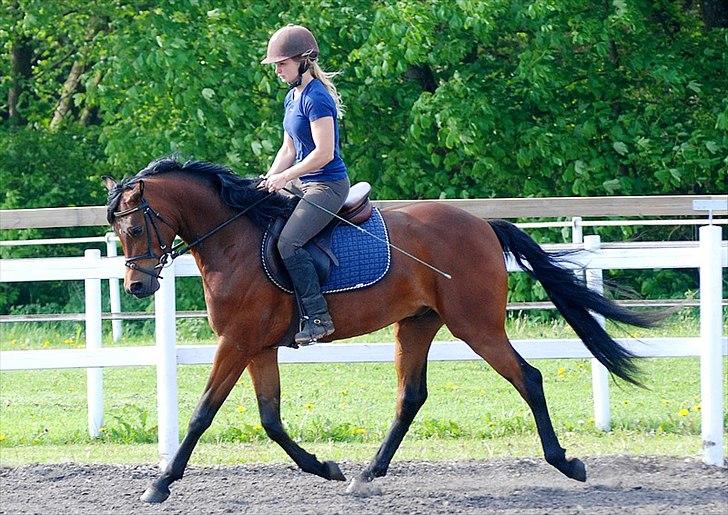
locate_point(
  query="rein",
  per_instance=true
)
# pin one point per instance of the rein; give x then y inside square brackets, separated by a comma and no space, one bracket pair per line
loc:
[181,248]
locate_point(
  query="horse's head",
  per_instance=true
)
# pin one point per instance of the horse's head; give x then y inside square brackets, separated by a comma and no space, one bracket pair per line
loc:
[145,235]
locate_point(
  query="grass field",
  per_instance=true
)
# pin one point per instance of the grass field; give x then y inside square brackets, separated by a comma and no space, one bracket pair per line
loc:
[342,411]
[70,335]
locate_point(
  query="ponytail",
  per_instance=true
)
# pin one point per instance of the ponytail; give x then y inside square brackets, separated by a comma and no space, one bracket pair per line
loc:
[325,78]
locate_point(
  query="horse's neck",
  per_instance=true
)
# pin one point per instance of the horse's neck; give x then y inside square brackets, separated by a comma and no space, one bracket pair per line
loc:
[235,246]
[199,211]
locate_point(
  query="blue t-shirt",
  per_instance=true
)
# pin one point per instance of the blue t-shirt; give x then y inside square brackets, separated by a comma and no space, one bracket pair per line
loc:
[313,103]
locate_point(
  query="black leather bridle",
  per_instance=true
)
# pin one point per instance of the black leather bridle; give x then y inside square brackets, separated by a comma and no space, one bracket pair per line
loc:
[150,218]
[167,256]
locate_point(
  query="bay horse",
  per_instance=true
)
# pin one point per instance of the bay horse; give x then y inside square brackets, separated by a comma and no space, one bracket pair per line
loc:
[251,316]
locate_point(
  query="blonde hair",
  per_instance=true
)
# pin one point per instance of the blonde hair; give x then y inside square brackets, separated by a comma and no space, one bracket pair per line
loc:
[325,78]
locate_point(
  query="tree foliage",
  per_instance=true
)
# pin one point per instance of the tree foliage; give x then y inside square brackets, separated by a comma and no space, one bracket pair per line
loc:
[562,97]
[446,98]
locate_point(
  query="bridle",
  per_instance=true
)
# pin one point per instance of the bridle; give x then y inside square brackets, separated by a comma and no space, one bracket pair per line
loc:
[150,218]
[167,256]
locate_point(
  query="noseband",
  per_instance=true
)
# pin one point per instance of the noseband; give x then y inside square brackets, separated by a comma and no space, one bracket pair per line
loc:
[167,256]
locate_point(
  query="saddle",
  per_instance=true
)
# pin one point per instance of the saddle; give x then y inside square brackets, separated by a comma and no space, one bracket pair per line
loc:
[357,209]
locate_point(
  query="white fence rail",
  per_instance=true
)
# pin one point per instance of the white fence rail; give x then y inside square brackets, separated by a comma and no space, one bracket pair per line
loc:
[576,225]
[709,256]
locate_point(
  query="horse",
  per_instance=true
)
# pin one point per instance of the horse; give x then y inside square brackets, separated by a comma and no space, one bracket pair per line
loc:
[251,316]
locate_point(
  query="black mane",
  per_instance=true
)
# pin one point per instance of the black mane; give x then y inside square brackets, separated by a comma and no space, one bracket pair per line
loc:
[235,191]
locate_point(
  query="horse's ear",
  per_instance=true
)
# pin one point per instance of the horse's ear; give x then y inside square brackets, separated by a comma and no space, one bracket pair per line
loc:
[109,182]
[136,192]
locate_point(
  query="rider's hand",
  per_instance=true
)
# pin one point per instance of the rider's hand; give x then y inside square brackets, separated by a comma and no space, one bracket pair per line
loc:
[276,182]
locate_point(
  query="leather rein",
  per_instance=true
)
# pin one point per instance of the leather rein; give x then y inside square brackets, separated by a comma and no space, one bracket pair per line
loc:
[167,256]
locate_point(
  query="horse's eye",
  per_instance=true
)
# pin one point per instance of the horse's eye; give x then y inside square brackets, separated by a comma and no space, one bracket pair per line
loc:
[136,231]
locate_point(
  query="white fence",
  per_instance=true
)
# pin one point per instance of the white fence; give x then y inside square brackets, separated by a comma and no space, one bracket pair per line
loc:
[709,256]
[575,226]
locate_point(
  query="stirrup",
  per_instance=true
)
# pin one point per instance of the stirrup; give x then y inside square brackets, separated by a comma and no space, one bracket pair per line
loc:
[313,328]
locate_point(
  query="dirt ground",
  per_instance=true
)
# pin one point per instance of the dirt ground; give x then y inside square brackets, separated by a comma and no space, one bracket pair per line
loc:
[616,484]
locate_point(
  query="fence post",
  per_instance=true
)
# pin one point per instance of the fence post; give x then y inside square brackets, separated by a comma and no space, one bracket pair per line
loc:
[577,230]
[165,322]
[711,352]
[600,375]
[94,376]
[114,297]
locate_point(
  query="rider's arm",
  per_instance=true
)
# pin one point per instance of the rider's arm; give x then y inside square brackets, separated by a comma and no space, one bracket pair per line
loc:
[322,132]
[285,157]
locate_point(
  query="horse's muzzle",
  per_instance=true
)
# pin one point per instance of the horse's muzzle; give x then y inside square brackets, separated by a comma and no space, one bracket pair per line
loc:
[140,289]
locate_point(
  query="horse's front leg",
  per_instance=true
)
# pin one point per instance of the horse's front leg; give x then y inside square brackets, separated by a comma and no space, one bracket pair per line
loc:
[266,381]
[227,366]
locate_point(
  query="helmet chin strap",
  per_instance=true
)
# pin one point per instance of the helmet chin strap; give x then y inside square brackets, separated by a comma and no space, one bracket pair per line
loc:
[302,68]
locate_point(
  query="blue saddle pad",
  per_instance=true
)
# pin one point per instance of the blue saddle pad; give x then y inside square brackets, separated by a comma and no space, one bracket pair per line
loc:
[363,260]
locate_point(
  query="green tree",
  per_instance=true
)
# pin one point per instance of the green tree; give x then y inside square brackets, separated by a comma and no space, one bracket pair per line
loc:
[529,97]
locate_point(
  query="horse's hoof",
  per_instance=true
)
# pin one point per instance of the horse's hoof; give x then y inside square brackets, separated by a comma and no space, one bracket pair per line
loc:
[361,488]
[154,495]
[333,471]
[577,470]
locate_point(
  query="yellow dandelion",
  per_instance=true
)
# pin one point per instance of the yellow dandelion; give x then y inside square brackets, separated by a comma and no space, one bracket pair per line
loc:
[309,405]
[2,437]
[46,344]
[696,408]
[683,412]
[242,409]
[359,431]
[561,372]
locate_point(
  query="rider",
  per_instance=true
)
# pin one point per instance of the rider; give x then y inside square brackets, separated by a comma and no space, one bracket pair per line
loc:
[309,163]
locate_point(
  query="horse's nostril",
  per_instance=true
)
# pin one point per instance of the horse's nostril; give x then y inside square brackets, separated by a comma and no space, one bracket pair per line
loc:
[135,287]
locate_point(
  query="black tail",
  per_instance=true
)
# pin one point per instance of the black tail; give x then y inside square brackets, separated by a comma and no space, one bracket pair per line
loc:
[574,300]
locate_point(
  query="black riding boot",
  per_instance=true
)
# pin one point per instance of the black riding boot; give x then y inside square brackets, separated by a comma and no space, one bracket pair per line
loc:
[315,319]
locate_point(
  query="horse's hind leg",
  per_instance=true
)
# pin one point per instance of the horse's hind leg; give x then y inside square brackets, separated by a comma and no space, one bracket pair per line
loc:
[266,381]
[226,369]
[413,338]
[504,359]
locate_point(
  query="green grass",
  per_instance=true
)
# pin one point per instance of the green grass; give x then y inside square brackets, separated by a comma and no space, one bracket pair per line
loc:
[70,335]
[342,411]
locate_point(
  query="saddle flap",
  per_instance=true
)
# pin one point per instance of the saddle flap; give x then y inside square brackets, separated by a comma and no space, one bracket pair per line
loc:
[319,247]
[352,259]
